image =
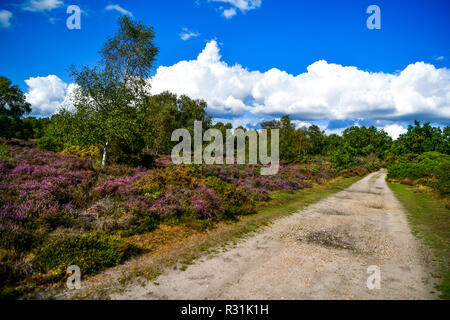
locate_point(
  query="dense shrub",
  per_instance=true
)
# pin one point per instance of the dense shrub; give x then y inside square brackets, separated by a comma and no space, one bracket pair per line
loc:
[343,157]
[4,152]
[179,190]
[49,143]
[92,252]
[442,174]
[430,168]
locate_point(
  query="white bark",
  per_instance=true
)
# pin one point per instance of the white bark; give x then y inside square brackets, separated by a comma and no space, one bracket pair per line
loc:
[105,154]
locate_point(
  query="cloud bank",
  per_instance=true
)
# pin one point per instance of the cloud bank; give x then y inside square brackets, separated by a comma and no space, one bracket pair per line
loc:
[325,91]
[330,95]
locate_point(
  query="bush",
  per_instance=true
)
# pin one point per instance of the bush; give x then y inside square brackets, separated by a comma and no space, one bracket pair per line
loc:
[92,252]
[91,152]
[20,240]
[49,143]
[443,178]
[430,168]
[343,157]
[5,154]
[15,268]
[141,223]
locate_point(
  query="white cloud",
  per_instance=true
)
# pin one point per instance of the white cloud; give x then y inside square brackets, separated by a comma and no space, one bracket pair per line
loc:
[47,94]
[343,95]
[326,91]
[229,13]
[301,124]
[5,17]
[242,5]
[186,34]
[394,130]
[244,122]
[118,8]
[440,58]
[42,5]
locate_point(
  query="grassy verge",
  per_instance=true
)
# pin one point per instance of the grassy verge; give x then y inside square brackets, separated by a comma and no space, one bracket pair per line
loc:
[176,247]
[430,221]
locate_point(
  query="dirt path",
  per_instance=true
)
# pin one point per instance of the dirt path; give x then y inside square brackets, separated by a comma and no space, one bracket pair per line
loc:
[322,252]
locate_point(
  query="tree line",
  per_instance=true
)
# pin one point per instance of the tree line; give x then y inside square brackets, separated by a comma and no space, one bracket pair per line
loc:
[113,109]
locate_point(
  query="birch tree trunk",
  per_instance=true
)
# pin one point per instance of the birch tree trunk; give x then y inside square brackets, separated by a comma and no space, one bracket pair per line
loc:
[105,154]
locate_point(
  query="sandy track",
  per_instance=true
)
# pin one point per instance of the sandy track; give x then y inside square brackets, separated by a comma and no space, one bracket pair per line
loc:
[322,252]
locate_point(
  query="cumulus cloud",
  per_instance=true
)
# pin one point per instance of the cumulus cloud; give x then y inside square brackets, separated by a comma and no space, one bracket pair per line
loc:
[5,17]
[118,8]
[186,34]
[330,95]
[41,5]
[242,5]
[47,94]
[394,130]
[325,91]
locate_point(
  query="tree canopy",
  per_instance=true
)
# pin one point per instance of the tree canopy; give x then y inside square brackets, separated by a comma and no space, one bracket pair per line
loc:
[12,107]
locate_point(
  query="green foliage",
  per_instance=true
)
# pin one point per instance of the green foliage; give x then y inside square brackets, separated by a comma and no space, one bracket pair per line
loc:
[167,112]
[92,252]
[366,141]
[442,174]
[49,143]
[12,107]
[19,240]
[108,98]
[5,154]
[141,223]
[334,143]
[12,100]
[344,157]
[419,139]
[317,140]
[430,168]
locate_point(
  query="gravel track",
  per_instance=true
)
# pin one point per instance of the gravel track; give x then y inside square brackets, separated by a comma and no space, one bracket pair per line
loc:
[321,252]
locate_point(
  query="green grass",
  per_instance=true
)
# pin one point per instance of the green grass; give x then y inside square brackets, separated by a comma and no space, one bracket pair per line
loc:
[430,221]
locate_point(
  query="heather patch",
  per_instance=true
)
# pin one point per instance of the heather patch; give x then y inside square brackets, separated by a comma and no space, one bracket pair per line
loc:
[50,202]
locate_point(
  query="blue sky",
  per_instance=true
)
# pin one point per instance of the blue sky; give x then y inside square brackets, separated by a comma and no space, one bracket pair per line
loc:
[258,35]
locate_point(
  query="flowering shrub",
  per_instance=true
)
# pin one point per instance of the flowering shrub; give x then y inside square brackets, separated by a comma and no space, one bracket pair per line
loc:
[38,195]
[206,203]
[91,152]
